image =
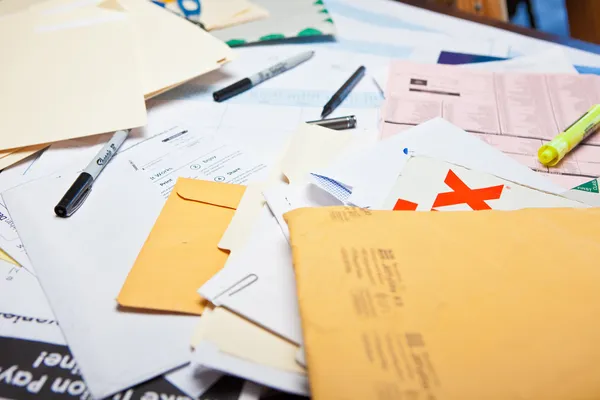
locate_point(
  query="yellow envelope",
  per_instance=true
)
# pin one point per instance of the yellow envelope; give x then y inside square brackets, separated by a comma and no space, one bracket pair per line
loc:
[181,252]
[493,305]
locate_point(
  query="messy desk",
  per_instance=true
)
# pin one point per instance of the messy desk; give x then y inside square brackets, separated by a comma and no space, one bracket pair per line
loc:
[334,199]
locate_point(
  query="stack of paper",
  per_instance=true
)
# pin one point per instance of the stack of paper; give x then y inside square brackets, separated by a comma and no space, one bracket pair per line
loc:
[230,249]
[91,65]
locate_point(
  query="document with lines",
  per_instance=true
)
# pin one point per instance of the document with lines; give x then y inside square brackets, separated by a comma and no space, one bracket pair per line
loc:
[186,152]
[515,112]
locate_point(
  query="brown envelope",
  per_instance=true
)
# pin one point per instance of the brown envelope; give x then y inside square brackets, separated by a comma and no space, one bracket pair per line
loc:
[181,252]
[493,305]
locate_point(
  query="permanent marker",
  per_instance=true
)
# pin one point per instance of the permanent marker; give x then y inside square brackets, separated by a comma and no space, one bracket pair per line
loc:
[82,186]
[343,92]
[251,81]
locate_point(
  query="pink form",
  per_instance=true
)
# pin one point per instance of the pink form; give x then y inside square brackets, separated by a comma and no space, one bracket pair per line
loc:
[514,112]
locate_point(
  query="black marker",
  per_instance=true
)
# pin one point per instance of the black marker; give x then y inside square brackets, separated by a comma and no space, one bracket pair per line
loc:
[82,186]
[343,92]
[247,83]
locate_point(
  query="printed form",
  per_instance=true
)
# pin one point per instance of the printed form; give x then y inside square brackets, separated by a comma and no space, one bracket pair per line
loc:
[514,112]
[185,152]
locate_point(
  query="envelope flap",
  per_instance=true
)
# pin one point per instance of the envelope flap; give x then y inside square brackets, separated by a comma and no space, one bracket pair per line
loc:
[219,194]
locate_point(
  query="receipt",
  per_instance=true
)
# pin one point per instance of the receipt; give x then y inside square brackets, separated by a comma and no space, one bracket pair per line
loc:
[184,152]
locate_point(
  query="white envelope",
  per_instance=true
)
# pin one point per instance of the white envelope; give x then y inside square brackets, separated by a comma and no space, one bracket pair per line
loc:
[284,198]
[249,287]
[258,281]
[372,173]
[228,343]
[82,262]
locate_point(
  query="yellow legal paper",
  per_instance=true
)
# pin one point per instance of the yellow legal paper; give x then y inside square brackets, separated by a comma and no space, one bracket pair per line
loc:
[67,76]
[181,252]
[493,305]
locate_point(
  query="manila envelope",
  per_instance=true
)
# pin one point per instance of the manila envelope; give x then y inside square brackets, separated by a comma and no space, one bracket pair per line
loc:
[493,305]
[181,251]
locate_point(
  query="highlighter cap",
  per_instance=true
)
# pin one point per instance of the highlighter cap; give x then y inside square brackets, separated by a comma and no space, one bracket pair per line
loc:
[550,154]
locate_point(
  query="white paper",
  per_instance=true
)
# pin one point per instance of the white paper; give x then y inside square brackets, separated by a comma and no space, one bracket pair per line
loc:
[436,138]
[258,281]
[402,16]
[9,238]
[25,314]
[193,379]
[283,198]
[552,61]
[185,151]
[82,262]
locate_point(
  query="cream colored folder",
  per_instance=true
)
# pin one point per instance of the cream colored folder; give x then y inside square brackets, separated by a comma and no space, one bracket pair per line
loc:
[67,76]
[171,50]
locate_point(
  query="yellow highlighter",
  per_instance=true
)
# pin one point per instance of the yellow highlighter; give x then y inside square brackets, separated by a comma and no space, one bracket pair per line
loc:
[554,151]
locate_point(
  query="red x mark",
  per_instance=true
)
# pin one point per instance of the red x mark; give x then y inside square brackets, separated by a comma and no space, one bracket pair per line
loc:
[405,205]
[463,194]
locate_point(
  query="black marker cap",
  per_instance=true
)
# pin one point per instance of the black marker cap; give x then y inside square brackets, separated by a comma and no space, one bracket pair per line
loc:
[75,196]
[232,90]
